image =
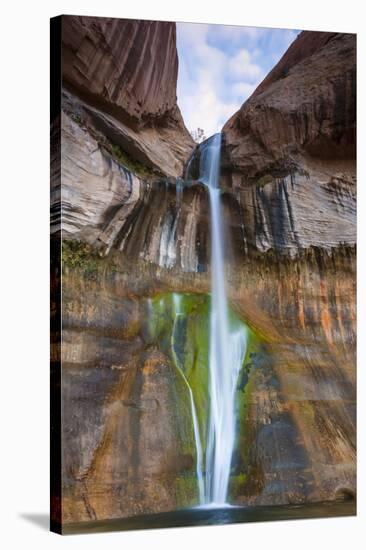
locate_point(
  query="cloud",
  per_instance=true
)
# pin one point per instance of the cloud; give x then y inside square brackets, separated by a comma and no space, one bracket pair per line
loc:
[230,36]
[212,83]
[220,67]
[241,66]
[243,89]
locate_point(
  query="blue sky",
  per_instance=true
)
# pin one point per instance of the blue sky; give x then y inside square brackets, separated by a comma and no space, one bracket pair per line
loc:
[220,66]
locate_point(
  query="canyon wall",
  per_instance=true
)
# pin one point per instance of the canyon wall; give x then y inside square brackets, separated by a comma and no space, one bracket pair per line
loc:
[289,160]
[304,110]
[135,230]
[124,73]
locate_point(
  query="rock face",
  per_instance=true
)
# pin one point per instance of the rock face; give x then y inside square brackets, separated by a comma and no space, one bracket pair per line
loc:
[133,238]
[105,204]
[124,439]
[290,174]
[125,72]
[290,149]
[305,107]
[129,66]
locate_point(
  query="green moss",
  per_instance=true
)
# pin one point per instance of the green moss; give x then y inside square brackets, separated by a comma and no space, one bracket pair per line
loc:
[194,358]
[179,325]
[237,484]
[264,180]
[241,471]
[115,150]
[183,414]
[83,257]
[186,490]
[126,160]
[77,118]
[243,401]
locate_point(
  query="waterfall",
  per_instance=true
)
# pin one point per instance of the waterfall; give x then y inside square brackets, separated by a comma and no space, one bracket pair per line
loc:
[196,430]
[227,346]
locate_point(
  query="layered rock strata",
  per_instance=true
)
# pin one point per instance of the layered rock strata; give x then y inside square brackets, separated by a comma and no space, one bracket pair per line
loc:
[304,110]
[125,71]
[131,234]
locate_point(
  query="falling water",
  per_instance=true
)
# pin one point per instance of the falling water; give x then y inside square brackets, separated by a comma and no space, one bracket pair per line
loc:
[227,346]
[177,298]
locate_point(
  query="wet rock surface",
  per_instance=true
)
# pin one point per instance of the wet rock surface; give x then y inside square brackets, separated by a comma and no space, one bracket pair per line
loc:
[131,234]
[297,403]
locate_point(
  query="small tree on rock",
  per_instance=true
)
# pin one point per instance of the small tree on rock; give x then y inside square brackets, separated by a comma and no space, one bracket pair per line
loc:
[198,135]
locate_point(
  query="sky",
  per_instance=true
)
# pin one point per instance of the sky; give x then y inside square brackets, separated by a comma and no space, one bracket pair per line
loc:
[220,66]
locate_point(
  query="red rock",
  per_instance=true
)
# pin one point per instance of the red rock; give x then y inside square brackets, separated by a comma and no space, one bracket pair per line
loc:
[126,71]
[305,107]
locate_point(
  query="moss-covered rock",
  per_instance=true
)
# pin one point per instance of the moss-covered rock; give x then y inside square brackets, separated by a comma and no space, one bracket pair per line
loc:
[85,258]
[179,325]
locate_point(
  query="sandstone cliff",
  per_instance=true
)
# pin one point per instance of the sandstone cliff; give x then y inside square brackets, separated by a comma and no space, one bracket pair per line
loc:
[125,74]
[289,166]
[290,149]
[304,109]
[133,238]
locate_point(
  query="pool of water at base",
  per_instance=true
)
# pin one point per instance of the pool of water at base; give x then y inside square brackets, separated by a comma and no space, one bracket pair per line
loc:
[216,516]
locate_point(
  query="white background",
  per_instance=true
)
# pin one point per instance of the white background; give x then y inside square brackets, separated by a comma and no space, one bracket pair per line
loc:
[24,257]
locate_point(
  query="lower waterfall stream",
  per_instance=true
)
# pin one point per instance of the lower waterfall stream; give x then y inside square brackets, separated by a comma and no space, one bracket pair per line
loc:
[227,347]
[196,430]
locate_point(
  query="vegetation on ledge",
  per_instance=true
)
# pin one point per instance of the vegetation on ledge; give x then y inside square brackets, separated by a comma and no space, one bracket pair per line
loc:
[83,257]
[134,166]
[113,149]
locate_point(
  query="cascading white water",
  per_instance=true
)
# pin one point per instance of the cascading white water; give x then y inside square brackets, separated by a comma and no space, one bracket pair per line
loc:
[196,430]
[227,347]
